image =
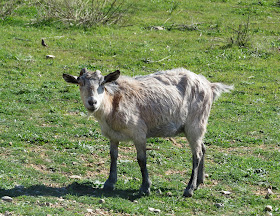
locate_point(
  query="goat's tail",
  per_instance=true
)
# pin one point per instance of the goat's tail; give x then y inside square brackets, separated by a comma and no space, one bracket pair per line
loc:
[219,88]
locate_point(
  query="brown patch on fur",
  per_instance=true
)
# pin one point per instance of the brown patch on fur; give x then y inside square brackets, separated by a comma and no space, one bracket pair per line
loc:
[116,118]
[116,100]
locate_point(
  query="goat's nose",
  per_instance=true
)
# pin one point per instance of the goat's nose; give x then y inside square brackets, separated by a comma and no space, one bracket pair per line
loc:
[92,102]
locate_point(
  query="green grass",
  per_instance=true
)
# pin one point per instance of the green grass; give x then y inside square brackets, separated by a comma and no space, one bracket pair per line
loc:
[46,137]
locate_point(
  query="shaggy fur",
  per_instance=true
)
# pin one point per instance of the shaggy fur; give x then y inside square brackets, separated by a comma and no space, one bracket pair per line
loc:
[163,104]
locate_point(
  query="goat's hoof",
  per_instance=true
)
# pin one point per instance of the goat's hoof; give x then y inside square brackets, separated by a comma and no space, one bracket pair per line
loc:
[188,193]
[108,186]
[199,182]
[144,191]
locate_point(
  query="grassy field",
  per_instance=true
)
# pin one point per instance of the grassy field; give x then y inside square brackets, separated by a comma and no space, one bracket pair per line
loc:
[53,158]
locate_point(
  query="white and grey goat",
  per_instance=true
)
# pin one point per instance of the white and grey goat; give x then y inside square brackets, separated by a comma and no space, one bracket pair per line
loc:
[163,104]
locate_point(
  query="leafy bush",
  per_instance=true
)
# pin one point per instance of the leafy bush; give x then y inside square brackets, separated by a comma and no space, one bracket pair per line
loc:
[84,13]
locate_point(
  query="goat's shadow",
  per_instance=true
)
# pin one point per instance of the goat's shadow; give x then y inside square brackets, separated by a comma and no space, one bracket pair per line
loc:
[77,189]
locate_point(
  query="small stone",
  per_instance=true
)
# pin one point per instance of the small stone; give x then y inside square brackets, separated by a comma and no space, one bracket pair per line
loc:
[7,199]
[154,210]
[268,208]
[219,205]
[226,192]
[159,28]
[48,204]
[159,191]
[101,201]
[269,193]
[50,56]
[98,211]
[75,177]
[89,210]
[157,210]
[169,194]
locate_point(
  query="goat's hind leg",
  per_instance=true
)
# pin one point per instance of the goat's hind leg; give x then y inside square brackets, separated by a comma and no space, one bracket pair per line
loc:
[195,137]
[193,183]
[201,174]
[111,181]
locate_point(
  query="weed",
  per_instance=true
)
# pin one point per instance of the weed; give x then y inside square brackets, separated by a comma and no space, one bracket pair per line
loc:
[241,36]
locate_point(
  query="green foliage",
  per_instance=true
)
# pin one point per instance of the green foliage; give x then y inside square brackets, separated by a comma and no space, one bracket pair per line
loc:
[47,140]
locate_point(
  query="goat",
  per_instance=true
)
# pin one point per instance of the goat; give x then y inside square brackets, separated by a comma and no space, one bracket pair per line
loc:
[163,104]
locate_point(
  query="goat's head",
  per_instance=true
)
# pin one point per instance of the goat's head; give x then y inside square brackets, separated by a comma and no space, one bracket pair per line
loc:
[91,86]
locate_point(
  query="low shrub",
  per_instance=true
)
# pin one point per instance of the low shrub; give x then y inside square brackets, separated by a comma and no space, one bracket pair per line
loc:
[84,13]
[241,36]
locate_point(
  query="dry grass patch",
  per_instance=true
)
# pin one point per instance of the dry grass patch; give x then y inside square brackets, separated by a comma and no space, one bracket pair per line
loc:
[84,13]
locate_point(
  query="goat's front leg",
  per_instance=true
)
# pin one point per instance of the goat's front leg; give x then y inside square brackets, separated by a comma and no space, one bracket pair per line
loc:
[142,161]
[111,181]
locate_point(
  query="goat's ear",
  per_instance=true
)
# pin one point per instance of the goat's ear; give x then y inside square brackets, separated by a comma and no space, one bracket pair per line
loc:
[111,77]
[84,70]
[70,79]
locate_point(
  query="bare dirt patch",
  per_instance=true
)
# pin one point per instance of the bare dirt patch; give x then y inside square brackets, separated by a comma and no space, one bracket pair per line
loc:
[263,192]
[172,172]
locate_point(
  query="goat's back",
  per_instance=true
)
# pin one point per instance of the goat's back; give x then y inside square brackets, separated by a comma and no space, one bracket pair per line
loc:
[161,103]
